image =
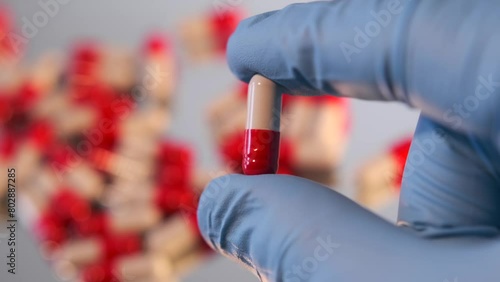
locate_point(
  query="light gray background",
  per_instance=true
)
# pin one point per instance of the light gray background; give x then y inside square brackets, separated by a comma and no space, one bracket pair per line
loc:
[375,125]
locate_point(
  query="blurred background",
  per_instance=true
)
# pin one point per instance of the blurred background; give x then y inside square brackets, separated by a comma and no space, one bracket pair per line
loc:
[116,114]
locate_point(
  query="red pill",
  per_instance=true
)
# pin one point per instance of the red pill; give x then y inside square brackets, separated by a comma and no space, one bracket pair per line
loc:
[223,24]
[262,135]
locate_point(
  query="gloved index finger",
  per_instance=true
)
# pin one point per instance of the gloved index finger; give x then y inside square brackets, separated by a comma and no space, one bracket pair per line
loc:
[434,55]
[310,47]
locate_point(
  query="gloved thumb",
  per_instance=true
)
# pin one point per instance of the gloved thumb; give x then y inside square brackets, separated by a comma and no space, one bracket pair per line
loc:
[285,228]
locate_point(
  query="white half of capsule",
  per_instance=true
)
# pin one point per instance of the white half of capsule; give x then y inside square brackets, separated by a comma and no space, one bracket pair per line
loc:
[264,104]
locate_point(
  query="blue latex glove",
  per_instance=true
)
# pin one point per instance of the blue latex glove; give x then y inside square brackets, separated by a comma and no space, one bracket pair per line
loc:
[439,56]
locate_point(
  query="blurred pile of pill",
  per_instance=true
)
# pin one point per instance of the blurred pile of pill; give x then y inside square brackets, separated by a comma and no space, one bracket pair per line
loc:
[106,194]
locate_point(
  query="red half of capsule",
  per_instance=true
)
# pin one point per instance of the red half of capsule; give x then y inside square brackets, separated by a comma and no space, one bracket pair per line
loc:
[261,151]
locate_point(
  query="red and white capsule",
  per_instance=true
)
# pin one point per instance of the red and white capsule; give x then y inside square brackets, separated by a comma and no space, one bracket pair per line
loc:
[262,134]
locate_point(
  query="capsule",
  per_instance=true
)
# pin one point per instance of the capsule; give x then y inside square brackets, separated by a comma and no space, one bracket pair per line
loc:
[87,250]
[262,135]
[144,267]
[174,238]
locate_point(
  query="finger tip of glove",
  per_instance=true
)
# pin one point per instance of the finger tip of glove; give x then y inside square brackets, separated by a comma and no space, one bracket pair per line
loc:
[215,194]
[243,46]
[236,56]
[233,198]
[221,200]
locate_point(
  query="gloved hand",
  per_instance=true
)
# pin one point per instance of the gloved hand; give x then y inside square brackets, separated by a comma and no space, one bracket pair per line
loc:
[438,56]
